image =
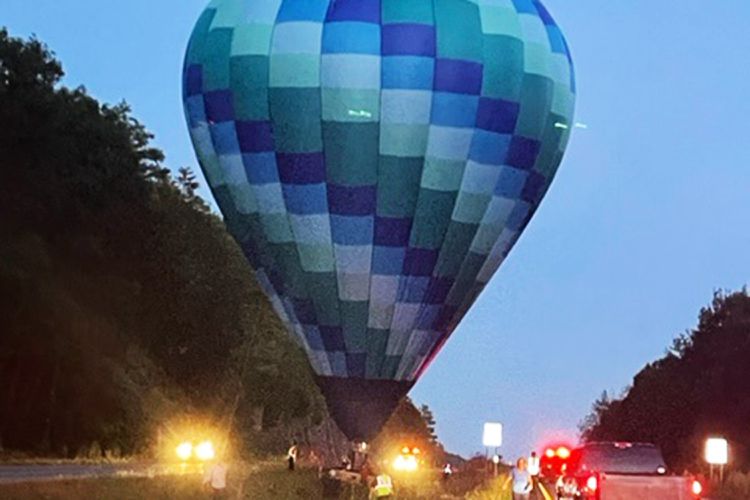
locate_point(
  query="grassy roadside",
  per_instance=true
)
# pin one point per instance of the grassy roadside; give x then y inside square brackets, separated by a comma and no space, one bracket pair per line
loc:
[497,489]
[258,482]
[14,459]
[269,482]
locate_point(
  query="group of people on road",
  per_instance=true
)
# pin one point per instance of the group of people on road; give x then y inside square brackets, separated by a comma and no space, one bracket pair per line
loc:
[378,482]
[525,477]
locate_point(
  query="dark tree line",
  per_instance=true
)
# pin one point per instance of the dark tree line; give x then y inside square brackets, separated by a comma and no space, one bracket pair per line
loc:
[123,300]
[701,387]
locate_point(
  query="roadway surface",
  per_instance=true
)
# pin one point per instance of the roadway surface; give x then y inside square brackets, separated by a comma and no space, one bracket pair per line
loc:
[544,490]
[55,472]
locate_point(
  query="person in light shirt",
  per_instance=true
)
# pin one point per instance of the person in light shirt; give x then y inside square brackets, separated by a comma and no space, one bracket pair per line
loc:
[447,472]
[291,455]
[535,468]
[521,481]
[215,479]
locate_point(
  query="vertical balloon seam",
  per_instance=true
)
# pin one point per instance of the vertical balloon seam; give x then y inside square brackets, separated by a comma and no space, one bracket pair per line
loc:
[191,47]
[328,184]
[448,327]
[337,359]
[381,318]
[330,354]
[476,287]
[379,351]
[378,361]
[445,327]
[403,279]
[277,294]
[330,5]
[408,279]
[428,342]
[216,177]
[296,325]
[551,116]
[397,58]
[257,232]
[356,336]
[479,286]
[375,352]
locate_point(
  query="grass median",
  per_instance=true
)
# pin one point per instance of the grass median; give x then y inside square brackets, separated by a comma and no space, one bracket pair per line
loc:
[258,482]
[270,482]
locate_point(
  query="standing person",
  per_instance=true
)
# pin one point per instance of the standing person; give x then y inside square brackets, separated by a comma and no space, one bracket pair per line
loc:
[447,472]
[346,464]
[521,481]
[215,479]
[316,462]
[534,468]
[366,471]
[382,488]
[291,455]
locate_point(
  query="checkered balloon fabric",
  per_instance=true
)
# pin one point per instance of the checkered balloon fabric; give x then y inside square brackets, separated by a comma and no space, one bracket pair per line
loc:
[376,160]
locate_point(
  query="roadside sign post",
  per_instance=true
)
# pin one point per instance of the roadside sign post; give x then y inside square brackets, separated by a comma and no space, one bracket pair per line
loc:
[717,453]
[493,438]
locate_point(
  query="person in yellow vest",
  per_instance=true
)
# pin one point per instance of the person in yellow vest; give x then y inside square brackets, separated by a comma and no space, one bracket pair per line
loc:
[382,487]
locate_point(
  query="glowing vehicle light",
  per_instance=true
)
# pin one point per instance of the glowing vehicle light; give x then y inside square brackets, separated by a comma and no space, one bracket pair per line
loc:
[563,452]
[184,450]
[405,463]
[550,453]
[205,451]
[697,488]
[592,483]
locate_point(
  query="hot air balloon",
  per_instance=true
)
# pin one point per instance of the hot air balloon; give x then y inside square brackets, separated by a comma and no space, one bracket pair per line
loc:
[376,160]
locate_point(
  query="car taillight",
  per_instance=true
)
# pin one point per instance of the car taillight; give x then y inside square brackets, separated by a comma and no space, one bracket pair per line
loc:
[696,488]
[592,483]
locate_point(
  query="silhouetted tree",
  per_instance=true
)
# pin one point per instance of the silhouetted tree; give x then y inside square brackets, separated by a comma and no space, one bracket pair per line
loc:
[700,387]
[122,298]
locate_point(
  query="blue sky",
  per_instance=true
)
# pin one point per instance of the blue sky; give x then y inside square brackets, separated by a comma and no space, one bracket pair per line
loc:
[647,216]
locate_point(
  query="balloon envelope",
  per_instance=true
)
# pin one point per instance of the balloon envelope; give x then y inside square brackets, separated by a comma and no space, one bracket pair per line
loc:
[376,160]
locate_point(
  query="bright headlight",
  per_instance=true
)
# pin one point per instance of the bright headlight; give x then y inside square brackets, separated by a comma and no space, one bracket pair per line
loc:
[407,463]
[184,450]
[205,451]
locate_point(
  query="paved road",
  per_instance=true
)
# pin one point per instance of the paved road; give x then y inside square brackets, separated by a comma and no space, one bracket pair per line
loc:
[543,490]
[54,472]
[546,491]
